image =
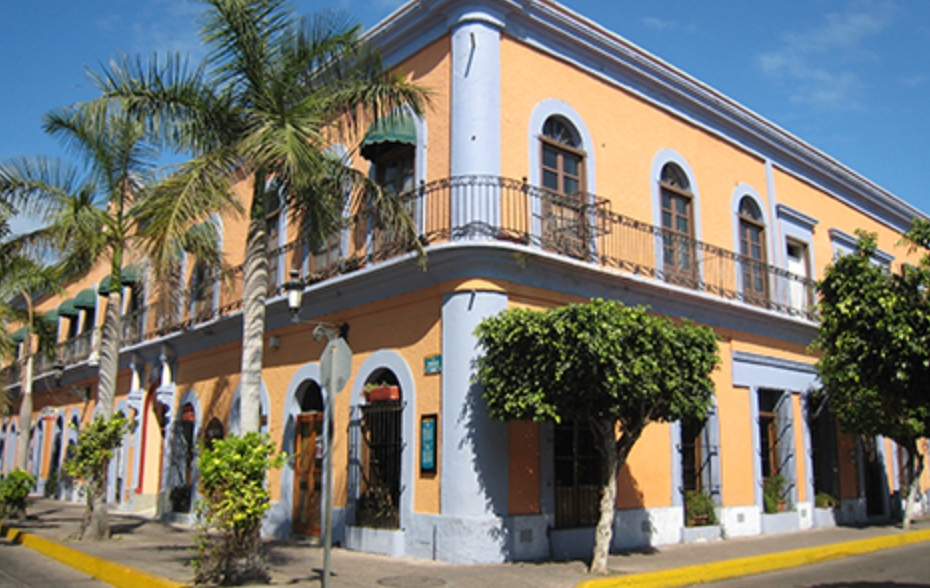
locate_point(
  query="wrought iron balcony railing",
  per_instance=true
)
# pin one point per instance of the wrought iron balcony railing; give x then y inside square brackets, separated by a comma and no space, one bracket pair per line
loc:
[489,208]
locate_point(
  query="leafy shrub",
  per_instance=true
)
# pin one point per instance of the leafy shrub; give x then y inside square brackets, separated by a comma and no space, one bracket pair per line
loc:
[233,501]
[773,491]
[13,493]
[92,456]
[824,500]
[699,509]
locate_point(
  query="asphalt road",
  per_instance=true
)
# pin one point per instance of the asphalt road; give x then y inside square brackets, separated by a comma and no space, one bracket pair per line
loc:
[901,567]
[21,567]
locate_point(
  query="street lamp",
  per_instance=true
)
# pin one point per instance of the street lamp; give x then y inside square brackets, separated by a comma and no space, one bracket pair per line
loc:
[335,370]
[295,295]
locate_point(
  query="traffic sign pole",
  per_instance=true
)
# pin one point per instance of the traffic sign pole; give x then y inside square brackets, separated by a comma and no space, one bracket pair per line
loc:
[336,367]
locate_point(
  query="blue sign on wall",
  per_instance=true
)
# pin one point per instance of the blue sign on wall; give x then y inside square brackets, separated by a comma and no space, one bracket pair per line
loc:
[433,364]
[428,444]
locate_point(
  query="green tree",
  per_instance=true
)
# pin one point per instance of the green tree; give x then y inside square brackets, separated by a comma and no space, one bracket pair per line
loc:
[234,500]
[91,458]
[22,279]
[875,341]
[88,215]
[613,367]
[273,94]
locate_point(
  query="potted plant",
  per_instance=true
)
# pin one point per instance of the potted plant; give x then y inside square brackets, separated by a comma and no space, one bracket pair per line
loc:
[773,490]
[699,509]
[382,392]
[825,500]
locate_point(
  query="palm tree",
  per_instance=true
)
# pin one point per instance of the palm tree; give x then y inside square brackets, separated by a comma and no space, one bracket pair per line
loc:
[22,279]
[274,92]
[88,211]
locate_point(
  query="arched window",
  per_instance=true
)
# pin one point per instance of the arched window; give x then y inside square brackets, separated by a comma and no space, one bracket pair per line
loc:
[391,146]
[564,228]
[752,251]
[274,227]
[378,504]
[204,287]
[679,252]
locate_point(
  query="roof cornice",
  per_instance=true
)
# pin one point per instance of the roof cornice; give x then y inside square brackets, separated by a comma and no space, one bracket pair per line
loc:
[556,29]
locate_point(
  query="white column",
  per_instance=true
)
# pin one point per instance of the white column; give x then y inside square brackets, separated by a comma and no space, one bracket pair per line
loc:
[475,129]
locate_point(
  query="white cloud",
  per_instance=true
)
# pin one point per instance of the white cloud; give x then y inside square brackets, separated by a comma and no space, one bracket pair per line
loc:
[821,61]
[669,25]
[915,80]
[167,25]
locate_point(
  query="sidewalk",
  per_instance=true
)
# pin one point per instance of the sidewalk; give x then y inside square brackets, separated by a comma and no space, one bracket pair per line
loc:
[149,554]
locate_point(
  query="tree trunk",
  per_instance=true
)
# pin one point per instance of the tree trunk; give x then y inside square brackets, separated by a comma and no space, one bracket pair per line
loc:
[109,353]
[915,468]
[25,405]
[254,294]
[608,505]
[98,527]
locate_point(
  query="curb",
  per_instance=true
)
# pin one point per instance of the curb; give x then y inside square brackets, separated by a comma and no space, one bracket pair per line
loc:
[746,566]
[112,573]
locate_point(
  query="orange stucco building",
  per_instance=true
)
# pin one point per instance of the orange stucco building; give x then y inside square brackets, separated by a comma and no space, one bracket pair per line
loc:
[558,162]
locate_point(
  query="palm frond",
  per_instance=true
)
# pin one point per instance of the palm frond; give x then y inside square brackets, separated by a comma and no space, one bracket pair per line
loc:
[244,37]
[197,190]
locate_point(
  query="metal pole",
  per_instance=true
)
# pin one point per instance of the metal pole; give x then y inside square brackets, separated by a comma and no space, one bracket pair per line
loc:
[330,425]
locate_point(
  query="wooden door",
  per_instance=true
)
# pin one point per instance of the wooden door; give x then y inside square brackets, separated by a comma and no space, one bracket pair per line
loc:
[308,471]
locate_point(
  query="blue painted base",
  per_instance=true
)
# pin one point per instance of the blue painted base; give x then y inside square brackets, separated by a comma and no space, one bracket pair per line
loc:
[783,522]
[824,518]
[701,534]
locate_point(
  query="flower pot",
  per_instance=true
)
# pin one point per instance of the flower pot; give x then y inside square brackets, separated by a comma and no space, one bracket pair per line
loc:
[383,394]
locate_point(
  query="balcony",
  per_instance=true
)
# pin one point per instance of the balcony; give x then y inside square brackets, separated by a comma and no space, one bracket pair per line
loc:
[578,227]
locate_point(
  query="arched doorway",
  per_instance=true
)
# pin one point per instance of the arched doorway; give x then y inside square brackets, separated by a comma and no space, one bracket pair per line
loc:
[308,459]
[3,447]
[214,432]
[180,479]
[378,451]
[54,464]
[74,432]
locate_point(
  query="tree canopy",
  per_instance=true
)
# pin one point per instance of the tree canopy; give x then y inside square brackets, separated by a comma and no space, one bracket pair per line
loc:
[875,338]
[614,367]
[273,95]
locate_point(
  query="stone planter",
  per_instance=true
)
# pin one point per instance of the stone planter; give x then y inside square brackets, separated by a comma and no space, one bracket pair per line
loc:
[783,522]
[701,534]
[824,518]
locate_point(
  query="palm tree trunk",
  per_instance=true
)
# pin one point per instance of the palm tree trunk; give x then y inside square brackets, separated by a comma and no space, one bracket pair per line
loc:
[254,294]
[915,468]
[99,525]
[25,406]
[109,353]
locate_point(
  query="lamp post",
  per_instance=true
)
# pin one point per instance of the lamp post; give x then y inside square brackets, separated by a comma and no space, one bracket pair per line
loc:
[335,370]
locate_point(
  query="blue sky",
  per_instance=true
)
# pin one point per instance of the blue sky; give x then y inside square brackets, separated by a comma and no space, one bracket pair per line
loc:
[850,77]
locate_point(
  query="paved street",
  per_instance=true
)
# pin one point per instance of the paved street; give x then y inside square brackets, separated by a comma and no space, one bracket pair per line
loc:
[901,567]
[21,567]
[147,554]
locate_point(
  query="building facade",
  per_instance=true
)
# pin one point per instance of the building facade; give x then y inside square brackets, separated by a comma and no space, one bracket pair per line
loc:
[558,162]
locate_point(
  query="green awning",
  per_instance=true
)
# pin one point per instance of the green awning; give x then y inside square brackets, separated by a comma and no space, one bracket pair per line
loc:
[129,275]
[19,335]
[68,309]
[50,317]
[132,273]
[86,299]
[104,287]
[387,131]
